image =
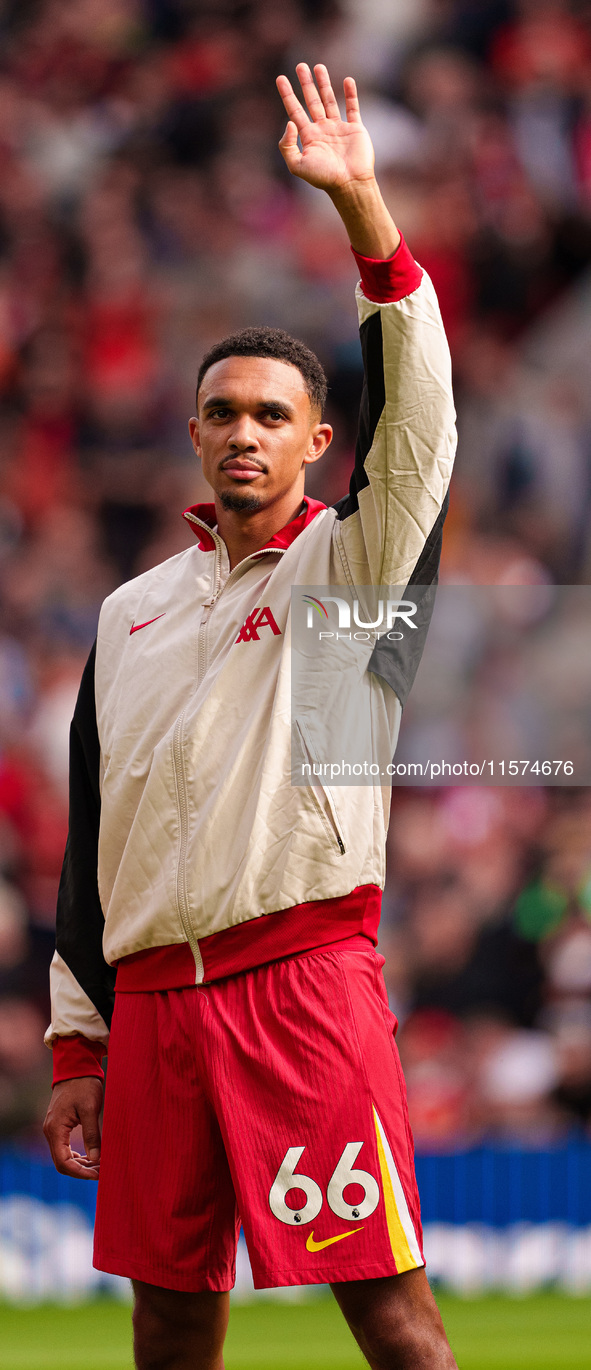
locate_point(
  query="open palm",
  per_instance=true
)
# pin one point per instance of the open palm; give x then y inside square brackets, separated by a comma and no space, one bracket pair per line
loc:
[334,152]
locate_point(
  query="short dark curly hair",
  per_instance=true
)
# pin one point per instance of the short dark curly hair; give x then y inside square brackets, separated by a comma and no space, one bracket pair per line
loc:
[271,342]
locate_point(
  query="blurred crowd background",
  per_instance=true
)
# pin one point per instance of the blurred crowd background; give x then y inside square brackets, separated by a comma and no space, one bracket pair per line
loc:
[144,212]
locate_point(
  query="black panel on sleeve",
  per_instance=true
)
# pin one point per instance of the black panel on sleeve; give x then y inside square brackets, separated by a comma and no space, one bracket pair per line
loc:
[80,920]
[427,568]
[373,399]
[398,662]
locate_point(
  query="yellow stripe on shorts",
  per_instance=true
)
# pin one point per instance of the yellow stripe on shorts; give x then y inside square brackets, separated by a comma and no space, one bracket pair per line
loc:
[403,1238]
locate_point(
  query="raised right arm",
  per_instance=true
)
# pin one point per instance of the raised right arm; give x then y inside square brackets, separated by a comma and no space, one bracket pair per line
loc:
[392,520]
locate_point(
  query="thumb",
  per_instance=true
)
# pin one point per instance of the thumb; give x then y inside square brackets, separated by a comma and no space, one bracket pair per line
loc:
[288,145]
[91,1135]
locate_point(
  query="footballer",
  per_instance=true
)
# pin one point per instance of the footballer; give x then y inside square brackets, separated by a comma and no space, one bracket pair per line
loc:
[217,924]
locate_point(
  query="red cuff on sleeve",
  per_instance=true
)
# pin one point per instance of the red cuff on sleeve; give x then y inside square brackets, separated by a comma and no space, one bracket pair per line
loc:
[76,1056]
[386,282]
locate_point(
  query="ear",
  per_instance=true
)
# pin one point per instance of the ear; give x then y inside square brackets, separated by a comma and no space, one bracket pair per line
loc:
[194,435]
[320,438]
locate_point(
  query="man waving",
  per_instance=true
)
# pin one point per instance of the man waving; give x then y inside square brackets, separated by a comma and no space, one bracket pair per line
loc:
[230,915]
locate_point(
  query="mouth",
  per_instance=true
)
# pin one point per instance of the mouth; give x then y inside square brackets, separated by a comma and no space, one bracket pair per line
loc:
[241,471]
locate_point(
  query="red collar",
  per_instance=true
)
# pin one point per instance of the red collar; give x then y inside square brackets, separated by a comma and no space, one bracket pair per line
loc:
[206,515]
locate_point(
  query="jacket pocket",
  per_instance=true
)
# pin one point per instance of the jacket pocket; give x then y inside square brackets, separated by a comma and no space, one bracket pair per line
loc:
[320,793]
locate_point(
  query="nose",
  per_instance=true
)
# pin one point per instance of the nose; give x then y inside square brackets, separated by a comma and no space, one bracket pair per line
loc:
[243,437]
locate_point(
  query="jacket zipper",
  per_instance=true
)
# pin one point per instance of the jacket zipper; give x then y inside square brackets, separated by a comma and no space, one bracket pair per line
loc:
[210,605]
[207,608]
[181,875]
[332,828]
[179,776]
[181,787]
[332,831]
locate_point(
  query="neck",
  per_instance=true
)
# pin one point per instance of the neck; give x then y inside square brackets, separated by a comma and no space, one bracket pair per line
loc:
[246,532]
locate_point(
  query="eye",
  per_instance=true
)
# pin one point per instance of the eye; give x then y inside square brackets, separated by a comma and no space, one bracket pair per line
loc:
[275,414]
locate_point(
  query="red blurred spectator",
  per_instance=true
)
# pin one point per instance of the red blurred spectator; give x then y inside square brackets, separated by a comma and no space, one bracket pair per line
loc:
[545,45]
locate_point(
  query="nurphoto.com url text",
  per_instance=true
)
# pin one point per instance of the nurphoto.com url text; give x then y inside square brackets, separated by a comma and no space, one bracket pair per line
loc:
[433,770]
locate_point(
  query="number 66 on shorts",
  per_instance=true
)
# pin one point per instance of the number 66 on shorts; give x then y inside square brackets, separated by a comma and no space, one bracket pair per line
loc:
[343,1175]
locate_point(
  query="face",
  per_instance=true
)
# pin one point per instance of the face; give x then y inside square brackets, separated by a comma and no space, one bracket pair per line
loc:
[256,431]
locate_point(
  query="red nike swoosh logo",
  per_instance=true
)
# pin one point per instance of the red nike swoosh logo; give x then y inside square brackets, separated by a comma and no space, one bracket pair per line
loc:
[135,627]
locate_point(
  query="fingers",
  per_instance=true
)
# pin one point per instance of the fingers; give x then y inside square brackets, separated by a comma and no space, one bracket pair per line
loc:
[309,91]
[78,1168]
[65,1160]
[294,110]
[91,1134]
[351,101]
[72,1102]
[320,99]
[327,94]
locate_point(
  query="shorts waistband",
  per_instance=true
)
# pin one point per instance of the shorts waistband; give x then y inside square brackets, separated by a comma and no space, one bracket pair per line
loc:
[271,937]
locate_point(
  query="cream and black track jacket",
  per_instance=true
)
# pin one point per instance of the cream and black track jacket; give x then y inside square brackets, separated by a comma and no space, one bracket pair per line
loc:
[191,855]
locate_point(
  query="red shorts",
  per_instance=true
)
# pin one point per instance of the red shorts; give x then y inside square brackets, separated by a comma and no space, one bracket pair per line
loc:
[274,1099]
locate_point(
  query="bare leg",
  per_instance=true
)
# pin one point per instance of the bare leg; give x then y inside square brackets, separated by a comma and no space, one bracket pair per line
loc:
[396,1322]
[177,1331]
